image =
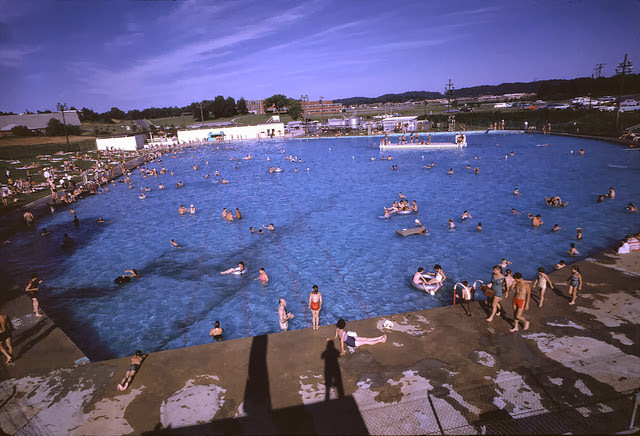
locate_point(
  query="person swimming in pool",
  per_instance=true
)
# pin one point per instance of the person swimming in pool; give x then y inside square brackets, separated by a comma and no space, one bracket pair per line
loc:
[631,208]
[263,277]
[452,226]
[573,251]
[182,210]
[612,193]
[174,243]
[132,369]
[515,212]
[465,216]
[353,341]
[240,269]
[516,192]
[479,227]
[556,227]
[216,331]
[536,221]
[127,276]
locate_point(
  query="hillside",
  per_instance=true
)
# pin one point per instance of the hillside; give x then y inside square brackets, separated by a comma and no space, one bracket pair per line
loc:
[546,89]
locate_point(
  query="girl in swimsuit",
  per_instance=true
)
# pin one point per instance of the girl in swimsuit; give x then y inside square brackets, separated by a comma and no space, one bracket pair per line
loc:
[439,277]
[315,303]
[541,282]
[575,284]
[353,341]
[263,277]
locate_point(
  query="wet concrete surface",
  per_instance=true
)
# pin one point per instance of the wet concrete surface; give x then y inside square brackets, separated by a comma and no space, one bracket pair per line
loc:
[576,370]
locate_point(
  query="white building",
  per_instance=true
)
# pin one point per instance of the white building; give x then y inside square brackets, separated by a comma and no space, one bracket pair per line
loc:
[260,131]
[402,124]
[128,143]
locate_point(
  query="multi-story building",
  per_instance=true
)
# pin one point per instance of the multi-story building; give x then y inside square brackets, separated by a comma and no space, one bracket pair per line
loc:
[321,107]
[255,106]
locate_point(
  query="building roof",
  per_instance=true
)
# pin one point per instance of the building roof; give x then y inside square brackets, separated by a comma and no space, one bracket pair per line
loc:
[399,119]
[37,121]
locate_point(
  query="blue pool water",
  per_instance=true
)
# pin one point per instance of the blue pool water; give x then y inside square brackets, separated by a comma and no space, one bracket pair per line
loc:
[328,232]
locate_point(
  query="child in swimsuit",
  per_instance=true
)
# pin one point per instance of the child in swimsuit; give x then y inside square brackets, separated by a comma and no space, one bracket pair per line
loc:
[575,284]
[315,303]
[136,361]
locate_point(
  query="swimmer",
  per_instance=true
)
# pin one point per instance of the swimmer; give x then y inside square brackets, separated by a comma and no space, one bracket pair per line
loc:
[174,243]
[465,216]
[269,227]
[182,210]
[45,232]
[160,186]
[401,195]
[192,209]
[561,264]
[556,227]
[452,226]
[238,214]
[224,213]
[225,181]
[516,192]
[263,277]
[252,229]
[240,269]
[414,206]
[229,216]
[581,151]
[612,193]
[515,212]
[179,184]
[479,227]
[216,331]
[536,221]
[126,278]
[573,251]
[579,233]
[504,262]
[631,208]
[260,231]
[450,172]
[476,170]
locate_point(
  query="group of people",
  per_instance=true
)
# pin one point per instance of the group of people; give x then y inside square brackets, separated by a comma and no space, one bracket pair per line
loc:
[230,215]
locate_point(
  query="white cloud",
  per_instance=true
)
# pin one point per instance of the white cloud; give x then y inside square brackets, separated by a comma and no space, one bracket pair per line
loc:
[13,56]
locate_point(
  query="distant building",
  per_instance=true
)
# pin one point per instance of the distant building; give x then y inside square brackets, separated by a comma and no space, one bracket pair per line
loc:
[324,107]
[260,131]
[255,106]
[127,143]
[400,124]
[37,122]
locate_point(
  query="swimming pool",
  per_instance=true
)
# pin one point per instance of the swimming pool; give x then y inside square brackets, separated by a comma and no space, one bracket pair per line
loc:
[327,232]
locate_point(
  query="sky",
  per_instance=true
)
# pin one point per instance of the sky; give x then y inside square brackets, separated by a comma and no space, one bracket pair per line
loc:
[154,53]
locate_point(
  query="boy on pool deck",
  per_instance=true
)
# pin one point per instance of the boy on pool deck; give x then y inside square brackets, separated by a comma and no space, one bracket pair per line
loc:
[132,369]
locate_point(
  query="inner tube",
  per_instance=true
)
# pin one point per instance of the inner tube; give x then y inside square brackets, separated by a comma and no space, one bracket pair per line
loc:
[122,279]
[239,272]
[405,212]
[278,170]
[430,288]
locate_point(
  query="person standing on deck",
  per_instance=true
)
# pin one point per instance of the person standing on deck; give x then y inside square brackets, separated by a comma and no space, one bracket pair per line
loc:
[520,302]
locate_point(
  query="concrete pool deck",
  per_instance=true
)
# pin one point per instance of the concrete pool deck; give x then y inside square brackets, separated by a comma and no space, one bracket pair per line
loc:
[576,370]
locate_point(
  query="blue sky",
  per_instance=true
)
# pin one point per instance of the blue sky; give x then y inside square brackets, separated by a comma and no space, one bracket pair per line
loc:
[138,54]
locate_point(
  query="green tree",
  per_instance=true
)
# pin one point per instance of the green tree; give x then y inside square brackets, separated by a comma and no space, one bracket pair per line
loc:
[54,128]
[278,100]
[115,113]
[295,108]
[21,131]
[230,107]
[242,106]
[217,106]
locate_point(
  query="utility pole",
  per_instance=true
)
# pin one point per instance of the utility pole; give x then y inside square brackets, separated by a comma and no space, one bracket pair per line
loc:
[622,70]
[598,70]
[63,107]
[201,114]
[448,92]
[321,111]
[304,98]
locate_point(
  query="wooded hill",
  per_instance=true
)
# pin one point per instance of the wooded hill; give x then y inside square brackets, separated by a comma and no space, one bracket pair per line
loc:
[554,89]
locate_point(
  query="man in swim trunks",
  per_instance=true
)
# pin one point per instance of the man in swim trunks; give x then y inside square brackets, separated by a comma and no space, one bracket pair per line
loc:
[283,315]
[132,369]
[216,331]
[353,341]
[520,302]
[315,303]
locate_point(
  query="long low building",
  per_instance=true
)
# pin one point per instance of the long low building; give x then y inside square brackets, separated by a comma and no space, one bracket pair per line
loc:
[127,143]
[37,122]
[260,131]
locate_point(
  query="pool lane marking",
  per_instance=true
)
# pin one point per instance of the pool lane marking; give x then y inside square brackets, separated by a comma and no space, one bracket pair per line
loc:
[332,261]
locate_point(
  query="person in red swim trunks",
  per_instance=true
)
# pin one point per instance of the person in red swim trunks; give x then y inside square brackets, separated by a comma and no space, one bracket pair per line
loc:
[315,303]
[520,301]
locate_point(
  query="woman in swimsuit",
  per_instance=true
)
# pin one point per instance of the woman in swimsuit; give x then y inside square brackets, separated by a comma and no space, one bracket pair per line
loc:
[216,331]
[497,286]
[315,303]
[575,284]
[240,269]
[353,341]
[263,277]
[32,290]
[438,277]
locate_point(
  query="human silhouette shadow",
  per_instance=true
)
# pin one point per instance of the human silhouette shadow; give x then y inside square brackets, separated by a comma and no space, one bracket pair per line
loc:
[332,374]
